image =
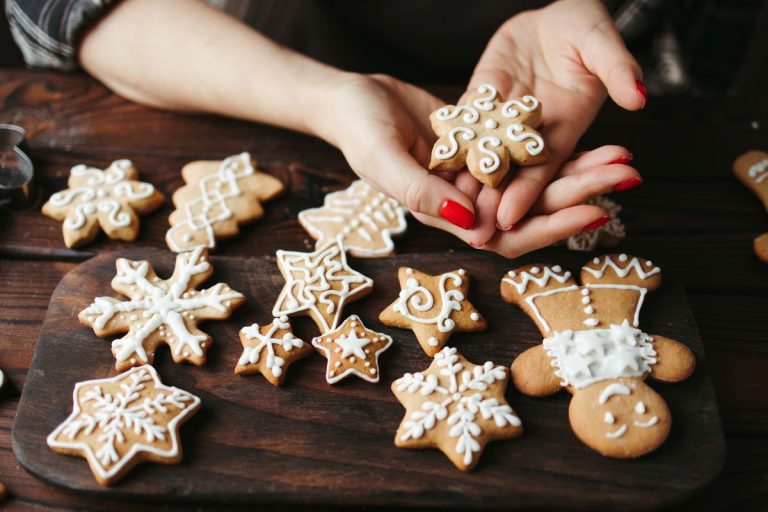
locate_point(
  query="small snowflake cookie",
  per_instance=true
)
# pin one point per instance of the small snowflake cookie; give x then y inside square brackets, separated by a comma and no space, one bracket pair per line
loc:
[361,217]
[111,199]
[607,235]
[433,307]
[217,198]
[488,134]
[751,169]
[121,421]
[161,311]
[352,349]
[594,348]
[455,406]
[270,349]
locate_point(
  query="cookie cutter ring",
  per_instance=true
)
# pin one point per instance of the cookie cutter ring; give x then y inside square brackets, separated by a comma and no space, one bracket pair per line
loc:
[17,184]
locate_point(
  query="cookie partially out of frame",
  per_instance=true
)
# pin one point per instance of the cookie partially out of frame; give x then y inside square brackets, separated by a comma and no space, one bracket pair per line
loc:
[751,169]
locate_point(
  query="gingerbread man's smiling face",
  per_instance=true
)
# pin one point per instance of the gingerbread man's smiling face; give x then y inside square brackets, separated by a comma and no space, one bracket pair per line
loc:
[620,416]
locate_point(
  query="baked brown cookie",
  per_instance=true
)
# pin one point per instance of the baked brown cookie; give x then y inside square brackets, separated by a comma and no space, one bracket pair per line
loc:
[607,235]
[751,169]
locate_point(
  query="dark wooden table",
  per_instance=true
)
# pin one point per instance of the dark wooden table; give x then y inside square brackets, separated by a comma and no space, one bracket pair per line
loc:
[690,216]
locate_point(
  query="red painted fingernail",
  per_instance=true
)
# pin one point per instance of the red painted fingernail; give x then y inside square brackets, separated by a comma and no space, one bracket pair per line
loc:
[502,228]
[627,184]
[456,214]
[596,224]
[623,159]
[642,91]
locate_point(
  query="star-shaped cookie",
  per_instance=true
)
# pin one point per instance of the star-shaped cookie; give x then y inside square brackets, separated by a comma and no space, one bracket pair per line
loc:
[270,349]
[121,421]
[319,284]
[455,406]
[352,349]
[433,307]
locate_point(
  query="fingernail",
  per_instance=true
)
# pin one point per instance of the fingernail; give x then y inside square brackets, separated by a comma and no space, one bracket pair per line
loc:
[623,159]
[642,91]
[627,184]
[596,224]
[456,214]
[476,246]
[502,228]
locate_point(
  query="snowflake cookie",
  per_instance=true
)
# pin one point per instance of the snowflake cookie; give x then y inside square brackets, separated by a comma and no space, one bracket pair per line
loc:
[488,134]
[751,169]
[161,310]
[593,347]
[607,235]
[270,349]
[455,406]
[361,217]
[319,284]
[121,421]
[111,199]
[218,196]
[433,307]
[352,349]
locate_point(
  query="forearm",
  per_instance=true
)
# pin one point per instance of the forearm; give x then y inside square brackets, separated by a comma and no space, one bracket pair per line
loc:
[182,55]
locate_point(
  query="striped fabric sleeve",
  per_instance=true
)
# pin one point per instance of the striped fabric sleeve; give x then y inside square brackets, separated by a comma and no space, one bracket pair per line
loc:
[48,31]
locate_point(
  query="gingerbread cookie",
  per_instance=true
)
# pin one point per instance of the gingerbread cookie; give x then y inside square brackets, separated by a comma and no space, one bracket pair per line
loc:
[319,284]
[488,134]
[121,421]
[270,349]
[217,198]
[161,311]
[455,406]
[111,199]
[361,217]
[607,235]
[352,349]
[433,307]
[594,348]
[751,169]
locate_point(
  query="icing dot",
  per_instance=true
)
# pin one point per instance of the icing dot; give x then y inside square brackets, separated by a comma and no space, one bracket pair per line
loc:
[622,257]
[373,371]
[409,271]
[352,359]
[338,363]
[283,318]
[585,291]
[512,273]
[535,270]
[591,322]
[354,324]
[367,363]
[557,268]
[432,341]
[648,263]
[331,373]
[640,407]
[596,261]
[367,351]
[585,300]
[608,418]
[133,360]
[474,316]
[202,345]
[462,271]
[338,349]
[589,310]
[491,124]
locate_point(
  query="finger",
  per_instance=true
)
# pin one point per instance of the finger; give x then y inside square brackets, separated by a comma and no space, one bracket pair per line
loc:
[468,184]
[522,192]
[486,206]
[586,160]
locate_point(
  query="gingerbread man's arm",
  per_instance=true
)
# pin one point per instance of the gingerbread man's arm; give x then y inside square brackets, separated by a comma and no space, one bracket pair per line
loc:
[532,373]
[675,361]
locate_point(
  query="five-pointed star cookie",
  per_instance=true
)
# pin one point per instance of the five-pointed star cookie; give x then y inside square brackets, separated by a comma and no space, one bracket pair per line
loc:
[161,310]
[319,284]
[488,134]
[270,349]
[111,198]
[433,307]
[352,349]
[121,421]
[455,406]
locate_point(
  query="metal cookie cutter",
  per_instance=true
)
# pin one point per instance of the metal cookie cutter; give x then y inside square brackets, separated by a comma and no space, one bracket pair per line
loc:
[17,174]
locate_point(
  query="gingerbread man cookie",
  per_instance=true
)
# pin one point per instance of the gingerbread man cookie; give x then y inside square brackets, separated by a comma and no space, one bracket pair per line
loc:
[161,311]
[111,199]
[121,421]
[751,169]
[361,217]
[433,307]
[594,348]
[488,134]
[217,198]
[455,406]
[607,235]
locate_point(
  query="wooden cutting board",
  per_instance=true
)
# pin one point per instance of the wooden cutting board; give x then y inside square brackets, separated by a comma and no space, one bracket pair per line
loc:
[310,442]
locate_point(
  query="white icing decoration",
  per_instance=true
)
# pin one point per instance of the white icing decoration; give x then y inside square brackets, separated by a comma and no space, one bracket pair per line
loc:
[512,108]
[609,418]
[490,124]
[419,299]
[485,102]
[471,115]
[542,281]
[489,164]
[614,228]
[474,316]
[647,424]
[288,342]
[617,433]
[640,407]
[634,265]
[518,133]
[611,389]
[759,171]
[443,152]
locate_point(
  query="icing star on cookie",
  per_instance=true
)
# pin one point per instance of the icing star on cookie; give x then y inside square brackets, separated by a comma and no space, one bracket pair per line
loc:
[433,307]
[161,311]
[352,349]
[121,421]
[455,406]
[488,134]
[270,349]
[319,284]
[111,199]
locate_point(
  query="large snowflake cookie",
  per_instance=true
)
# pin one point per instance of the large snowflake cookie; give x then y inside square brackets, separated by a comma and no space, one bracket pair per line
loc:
[433,307]
[751,169]
[363,218]
[270,349]
[111,199]
[161,311]
[319,284]
[217,198]
[594,348]
[455,406]
[352,349]
[488,134]
[119,422]
[607,235]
